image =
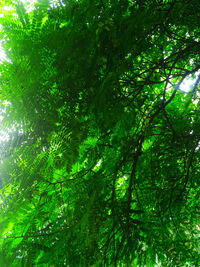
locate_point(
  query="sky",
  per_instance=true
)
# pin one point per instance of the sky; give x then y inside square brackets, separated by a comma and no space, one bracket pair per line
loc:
[187,84]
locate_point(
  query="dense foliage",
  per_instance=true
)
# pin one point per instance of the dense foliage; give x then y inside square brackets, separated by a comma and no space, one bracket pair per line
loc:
[101,164]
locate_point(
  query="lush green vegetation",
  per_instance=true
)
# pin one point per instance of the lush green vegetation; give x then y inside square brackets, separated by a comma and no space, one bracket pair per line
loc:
[101,166]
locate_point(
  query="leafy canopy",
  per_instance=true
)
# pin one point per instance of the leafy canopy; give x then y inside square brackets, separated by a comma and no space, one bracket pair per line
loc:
[101,164]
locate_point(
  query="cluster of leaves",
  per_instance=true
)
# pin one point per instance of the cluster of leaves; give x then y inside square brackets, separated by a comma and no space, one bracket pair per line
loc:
[101,166]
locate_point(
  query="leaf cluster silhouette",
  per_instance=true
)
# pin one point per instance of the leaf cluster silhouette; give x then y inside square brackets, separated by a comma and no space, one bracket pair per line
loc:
[101,163]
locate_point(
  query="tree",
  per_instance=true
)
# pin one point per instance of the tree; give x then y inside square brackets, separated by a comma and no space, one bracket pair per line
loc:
[102,164]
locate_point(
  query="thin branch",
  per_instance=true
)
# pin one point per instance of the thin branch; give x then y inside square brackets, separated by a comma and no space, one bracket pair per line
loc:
[132,176]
